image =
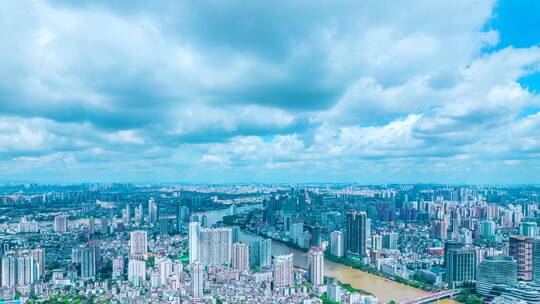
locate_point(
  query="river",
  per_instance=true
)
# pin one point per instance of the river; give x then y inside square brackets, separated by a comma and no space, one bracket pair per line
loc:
[382,288]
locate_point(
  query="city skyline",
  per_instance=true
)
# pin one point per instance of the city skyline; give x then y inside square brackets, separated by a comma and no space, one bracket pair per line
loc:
[415,92]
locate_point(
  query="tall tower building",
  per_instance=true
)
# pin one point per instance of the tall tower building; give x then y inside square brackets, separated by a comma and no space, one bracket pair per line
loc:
[104,225]
[194,229]
[118,267]
[39,259]
[26,269]
[60,224]
[215,245]
[536,260]
[460,267]
[126,215]
[165,269]
[260,252]
[240,256]
[197,279]
[152,211]
[88,261]
[495,271]
[357,233]
[316,266]
[337,247]
[138,243]
[9,270]
[521,249]
[136,270]
[282,271]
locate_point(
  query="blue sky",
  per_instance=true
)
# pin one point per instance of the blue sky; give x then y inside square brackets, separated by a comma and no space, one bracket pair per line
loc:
[229,91]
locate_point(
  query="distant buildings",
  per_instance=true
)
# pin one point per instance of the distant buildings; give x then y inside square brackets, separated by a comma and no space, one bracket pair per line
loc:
[495,271]
[152,211]
[357,233]
[316,266]
[89,256]
[282,271]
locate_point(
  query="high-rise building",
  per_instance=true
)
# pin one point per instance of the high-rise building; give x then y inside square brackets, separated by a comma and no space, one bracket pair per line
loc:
[520,248]
[282,271]
[316,236]
[60,224]
[197,279]
[235,234]
[194,244]
[357,233]
[376,242]
[487,228]
[390,240]
[39,259]
[334,290]
[138,243]
[528,229]
[260,253]
[495,271]
[163,226]
[337,247]
[240,256]
[104,224]
[536,260]
[152,210]
[136,270]
[316,266]
[215,245]
[91,225]
[26,269]
[182,215]
[126,215]
[9,270]
[165,269]
[88,261]
[118,267]
[460,267]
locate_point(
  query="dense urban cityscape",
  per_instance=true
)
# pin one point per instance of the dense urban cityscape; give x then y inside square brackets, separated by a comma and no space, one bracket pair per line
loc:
[269,243]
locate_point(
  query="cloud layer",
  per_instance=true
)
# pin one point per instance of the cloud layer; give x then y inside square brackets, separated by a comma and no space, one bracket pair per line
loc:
[233,91]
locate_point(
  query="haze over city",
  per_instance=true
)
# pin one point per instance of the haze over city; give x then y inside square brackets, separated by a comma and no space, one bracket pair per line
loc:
[306,91]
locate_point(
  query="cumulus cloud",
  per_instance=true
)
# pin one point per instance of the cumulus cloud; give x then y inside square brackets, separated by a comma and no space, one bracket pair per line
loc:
[301,91]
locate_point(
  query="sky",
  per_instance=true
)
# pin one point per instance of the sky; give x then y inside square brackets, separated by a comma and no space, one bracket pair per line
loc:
[369,92]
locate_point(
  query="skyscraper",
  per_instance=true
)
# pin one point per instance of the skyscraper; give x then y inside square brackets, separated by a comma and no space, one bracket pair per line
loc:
[357,233]
[520,248]
[163,226]
[88,261]
[152,211]
[104,224]
[126,215]
[282,271]
[528,229]
[260,252]
[240,256]
[165,269]
[194,228]
[460,267]
[316,266]
[138,243]
[390,240]
[536,260]
[9,270]
[118,267]
[215,245]
[60,224]
[336,244]
[197,279]
[39,259]
[495,271]
[26,269]
[136,270]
